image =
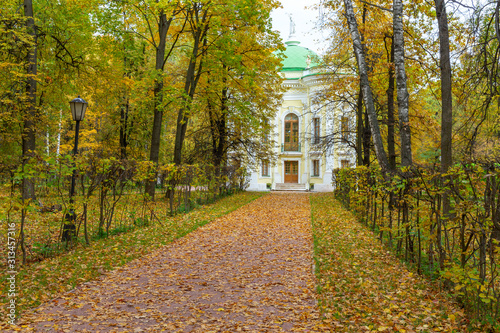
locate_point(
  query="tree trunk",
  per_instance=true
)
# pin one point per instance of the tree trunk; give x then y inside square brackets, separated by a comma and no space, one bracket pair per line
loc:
[124,111]
[367,136]
[125,107]
[446,97]
[365,123]
[192,75]
[30,116]
[219,133]
[390,108]
[154,153]
[399,63]
[497,21]
[359,128]
[365,83]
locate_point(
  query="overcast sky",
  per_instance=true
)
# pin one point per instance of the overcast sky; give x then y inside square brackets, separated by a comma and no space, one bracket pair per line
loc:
[304,22]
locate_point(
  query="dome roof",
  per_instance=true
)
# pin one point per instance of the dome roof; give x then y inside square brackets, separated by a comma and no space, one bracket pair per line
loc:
[298,58]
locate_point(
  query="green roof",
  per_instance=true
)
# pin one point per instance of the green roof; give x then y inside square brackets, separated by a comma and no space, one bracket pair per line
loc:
[298,58]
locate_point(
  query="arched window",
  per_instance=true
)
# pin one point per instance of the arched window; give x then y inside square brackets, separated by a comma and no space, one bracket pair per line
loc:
[291,133]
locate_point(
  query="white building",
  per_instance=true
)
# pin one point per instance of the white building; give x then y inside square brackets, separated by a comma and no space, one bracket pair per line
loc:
[300,127]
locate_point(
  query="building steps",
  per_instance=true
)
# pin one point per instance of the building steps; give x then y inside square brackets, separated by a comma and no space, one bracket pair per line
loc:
[290,187]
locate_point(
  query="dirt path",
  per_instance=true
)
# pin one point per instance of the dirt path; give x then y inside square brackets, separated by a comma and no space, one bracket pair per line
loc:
[247,271]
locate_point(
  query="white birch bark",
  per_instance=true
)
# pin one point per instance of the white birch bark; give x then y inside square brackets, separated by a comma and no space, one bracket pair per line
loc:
[365,86]
[402,90]
[59,133]
[47,142]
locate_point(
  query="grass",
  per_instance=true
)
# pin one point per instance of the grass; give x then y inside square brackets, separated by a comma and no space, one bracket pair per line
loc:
[42,224]
[363,287]
[41,281]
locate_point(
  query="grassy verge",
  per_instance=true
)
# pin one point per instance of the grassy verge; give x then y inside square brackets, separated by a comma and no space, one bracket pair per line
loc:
[39,282]
[363,287]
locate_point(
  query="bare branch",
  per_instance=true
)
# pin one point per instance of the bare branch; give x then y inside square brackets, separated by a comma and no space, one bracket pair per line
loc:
[376,6]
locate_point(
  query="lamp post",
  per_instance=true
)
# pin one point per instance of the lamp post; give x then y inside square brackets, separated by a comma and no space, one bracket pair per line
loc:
[78,108]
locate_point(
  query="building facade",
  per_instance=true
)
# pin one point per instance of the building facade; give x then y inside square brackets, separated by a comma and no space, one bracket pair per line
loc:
[301,128]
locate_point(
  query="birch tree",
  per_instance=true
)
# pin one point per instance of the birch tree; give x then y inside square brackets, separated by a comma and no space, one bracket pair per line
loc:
[390,102]
[365,86]
[402,90]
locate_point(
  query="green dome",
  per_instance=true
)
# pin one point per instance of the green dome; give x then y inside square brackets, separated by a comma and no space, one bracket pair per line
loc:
[298,58]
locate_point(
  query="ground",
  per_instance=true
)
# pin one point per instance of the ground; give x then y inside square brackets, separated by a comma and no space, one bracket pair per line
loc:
[252,270]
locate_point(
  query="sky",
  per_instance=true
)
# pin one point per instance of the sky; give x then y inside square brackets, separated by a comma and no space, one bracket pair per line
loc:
[304,23]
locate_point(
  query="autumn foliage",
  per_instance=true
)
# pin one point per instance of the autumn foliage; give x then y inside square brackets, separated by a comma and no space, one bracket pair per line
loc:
[405,212]
[109,197]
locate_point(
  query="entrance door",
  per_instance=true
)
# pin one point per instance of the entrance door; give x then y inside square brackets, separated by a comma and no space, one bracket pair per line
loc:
[291,171]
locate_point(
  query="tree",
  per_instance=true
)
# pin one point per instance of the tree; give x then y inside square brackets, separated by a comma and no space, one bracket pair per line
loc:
[14,40]
[162,56]
[30,115]
[446,91]
[475,88]
[446,110]
[403,96]
[239,88]
[244,73]
[390,103]
[198,17]
[365,84]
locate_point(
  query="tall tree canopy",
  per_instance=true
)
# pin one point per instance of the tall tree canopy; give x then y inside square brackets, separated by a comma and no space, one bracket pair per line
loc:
[156,74]
[438,58]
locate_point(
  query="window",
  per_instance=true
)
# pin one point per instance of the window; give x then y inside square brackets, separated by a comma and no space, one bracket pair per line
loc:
[265,169]
[315,168]
[344,164]
[291,133]
[316,130]
[344,128]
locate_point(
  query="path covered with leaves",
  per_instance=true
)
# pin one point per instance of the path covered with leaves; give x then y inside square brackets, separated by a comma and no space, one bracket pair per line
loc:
[247,271]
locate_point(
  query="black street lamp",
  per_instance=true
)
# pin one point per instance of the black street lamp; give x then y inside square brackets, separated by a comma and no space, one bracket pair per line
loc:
[78,108]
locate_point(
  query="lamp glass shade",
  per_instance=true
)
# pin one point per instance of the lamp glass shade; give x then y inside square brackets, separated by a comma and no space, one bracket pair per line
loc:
[78,107]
